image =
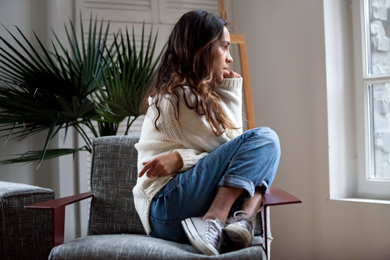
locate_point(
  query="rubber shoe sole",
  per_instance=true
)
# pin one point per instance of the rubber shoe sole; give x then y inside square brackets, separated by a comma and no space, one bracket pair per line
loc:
[196,240]
[237,236]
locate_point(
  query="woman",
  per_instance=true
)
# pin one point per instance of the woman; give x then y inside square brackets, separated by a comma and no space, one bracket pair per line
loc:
[193,159]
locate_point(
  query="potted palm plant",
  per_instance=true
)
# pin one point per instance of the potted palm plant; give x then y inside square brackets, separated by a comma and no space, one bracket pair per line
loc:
[91,80]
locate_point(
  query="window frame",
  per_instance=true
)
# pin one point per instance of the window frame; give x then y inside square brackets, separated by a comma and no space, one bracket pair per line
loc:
[368,187]
[345,106]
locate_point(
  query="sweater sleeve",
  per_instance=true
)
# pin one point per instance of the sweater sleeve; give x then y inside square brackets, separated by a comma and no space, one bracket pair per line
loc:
[190,157]
[230,91]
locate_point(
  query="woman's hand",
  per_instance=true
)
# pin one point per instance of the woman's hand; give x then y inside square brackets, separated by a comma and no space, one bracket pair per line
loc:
[162,165]
[230,74]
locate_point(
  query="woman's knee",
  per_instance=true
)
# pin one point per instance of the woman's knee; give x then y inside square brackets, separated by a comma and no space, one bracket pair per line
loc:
[267,136]
[273,138]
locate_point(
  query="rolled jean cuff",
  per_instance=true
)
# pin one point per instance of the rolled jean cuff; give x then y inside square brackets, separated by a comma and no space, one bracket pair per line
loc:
[236,181]
[264,186]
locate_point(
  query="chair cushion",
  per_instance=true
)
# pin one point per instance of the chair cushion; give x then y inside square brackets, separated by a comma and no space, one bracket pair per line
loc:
[24,234]
[135,247]
[113,176]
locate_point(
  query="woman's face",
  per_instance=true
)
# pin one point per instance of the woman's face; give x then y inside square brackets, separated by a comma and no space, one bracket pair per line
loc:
[222,57]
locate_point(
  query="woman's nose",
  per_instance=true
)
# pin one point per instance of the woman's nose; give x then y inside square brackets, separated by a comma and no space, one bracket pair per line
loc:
[229,58]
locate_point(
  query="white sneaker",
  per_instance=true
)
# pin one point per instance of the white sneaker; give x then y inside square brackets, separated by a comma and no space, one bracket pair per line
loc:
[204,235]
[239,230]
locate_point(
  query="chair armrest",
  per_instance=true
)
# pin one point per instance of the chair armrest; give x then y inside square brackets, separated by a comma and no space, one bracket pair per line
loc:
[51,204]
[57,206]
[276,196]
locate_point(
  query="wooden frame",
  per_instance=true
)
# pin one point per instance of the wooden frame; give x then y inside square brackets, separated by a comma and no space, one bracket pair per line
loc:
[240,40]
[57,207]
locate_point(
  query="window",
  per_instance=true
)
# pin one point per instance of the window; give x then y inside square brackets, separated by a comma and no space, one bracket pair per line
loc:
[376,72]
[358,91]
[372,83]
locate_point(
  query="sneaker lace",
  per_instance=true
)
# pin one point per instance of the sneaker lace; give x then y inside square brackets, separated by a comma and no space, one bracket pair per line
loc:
[244,219]
[213,232]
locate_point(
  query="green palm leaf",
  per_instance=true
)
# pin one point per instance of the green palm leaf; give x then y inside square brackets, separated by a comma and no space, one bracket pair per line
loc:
[35,156]
[126,82]
[42,90]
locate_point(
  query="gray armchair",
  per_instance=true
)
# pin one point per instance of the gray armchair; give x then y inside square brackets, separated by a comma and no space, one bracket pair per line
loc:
[115,230]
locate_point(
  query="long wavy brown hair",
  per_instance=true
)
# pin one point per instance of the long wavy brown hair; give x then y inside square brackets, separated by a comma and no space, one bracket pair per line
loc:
[186,69]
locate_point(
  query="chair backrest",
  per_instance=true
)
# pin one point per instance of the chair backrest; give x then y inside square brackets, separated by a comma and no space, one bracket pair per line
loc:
[113,176]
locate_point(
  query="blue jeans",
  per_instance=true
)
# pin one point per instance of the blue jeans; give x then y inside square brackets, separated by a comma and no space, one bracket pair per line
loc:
[246,162]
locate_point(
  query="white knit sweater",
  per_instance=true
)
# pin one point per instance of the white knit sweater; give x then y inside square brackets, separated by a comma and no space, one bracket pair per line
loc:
[193,139]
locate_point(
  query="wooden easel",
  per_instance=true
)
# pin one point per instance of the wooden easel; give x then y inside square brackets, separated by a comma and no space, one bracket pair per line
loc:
[240,40]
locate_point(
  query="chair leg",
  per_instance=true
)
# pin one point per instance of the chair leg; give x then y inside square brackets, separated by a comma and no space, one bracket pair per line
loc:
[58,225]
[265,247]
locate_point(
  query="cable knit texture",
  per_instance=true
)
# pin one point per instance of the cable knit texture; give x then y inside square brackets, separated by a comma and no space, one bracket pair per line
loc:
[192,137]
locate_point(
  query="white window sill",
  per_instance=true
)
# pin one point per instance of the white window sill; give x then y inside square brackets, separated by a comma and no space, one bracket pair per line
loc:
[362,200]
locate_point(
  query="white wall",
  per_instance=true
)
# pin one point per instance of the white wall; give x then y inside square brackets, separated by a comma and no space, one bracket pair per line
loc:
[286,55]
[28,17]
